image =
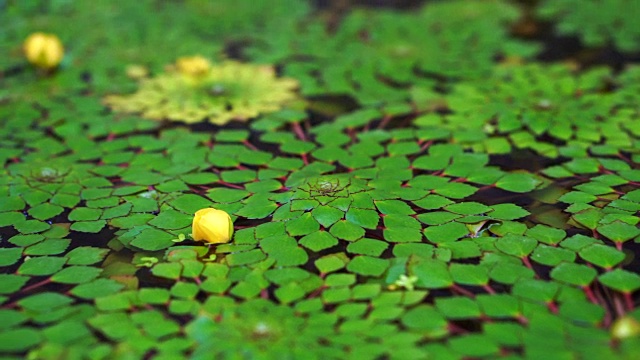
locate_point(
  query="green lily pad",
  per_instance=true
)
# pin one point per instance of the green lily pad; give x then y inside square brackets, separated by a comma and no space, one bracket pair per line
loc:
[9,256]
[432,274]
[552,256]
[446,233]
[518,182]
[76,274]
[347,230]
[153,239]
[618,231]
[368,265]
[318,240]
[366,246]
[326,215]
[426,319]
[12,283]
[303,225]
[44,265]
[574,274]
[20,339]
[45,211]
[88,226]
[535,290]
[48,247]
[467,274]
[601,255]
[366,218]
[514,245]
[96,288]
[171,219]
[457,307]
[621,280]
[474,345]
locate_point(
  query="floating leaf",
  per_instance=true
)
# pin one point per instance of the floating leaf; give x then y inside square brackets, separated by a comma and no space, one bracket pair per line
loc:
[474,345]
[20,339]
[426,319]
[369,247]
[366,218]
[347,230]
[507,212]
[432,274]
[601,255]
[519,246]
[574,274]
[86,255]
[76,274]
[96,288]
[516,182]
[153,239]
[446,233]
[552,256]
[457,308]
[535,290]
[621,280]
[12,283]
[88,226]
[618,231]
[318,241]
[9,256]
[499,305]
[367,265]
[331,263]
[303,225]
[45,265]
[467,274]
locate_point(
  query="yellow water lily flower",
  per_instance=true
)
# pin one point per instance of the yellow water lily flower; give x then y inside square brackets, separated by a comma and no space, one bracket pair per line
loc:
[625,327]
[213,226]
[43,50]
[193,65]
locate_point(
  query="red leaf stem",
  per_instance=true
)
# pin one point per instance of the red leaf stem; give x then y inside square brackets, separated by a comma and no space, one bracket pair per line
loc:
[385,121]
[590,295]
[628,301]
[250,145]
[460,290]
[36,285]
[488,289]
[234,186]
[297,129]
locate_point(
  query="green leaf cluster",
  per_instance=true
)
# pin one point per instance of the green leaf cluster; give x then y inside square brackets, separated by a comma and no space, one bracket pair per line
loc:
[597,23]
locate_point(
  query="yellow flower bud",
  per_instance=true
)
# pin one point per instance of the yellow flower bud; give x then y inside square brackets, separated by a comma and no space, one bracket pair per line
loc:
[43,50]
[625,327]
[213,226]
[193,65]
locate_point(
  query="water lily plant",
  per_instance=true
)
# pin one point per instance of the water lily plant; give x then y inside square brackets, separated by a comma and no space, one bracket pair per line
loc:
[195,90]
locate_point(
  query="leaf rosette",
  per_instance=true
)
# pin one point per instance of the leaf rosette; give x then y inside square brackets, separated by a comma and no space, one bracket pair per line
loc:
[223,92]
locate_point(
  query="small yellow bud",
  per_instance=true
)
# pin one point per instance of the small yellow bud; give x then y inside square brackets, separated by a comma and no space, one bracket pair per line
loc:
[213,226]
[193,65]
[43,50]
[625,327]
